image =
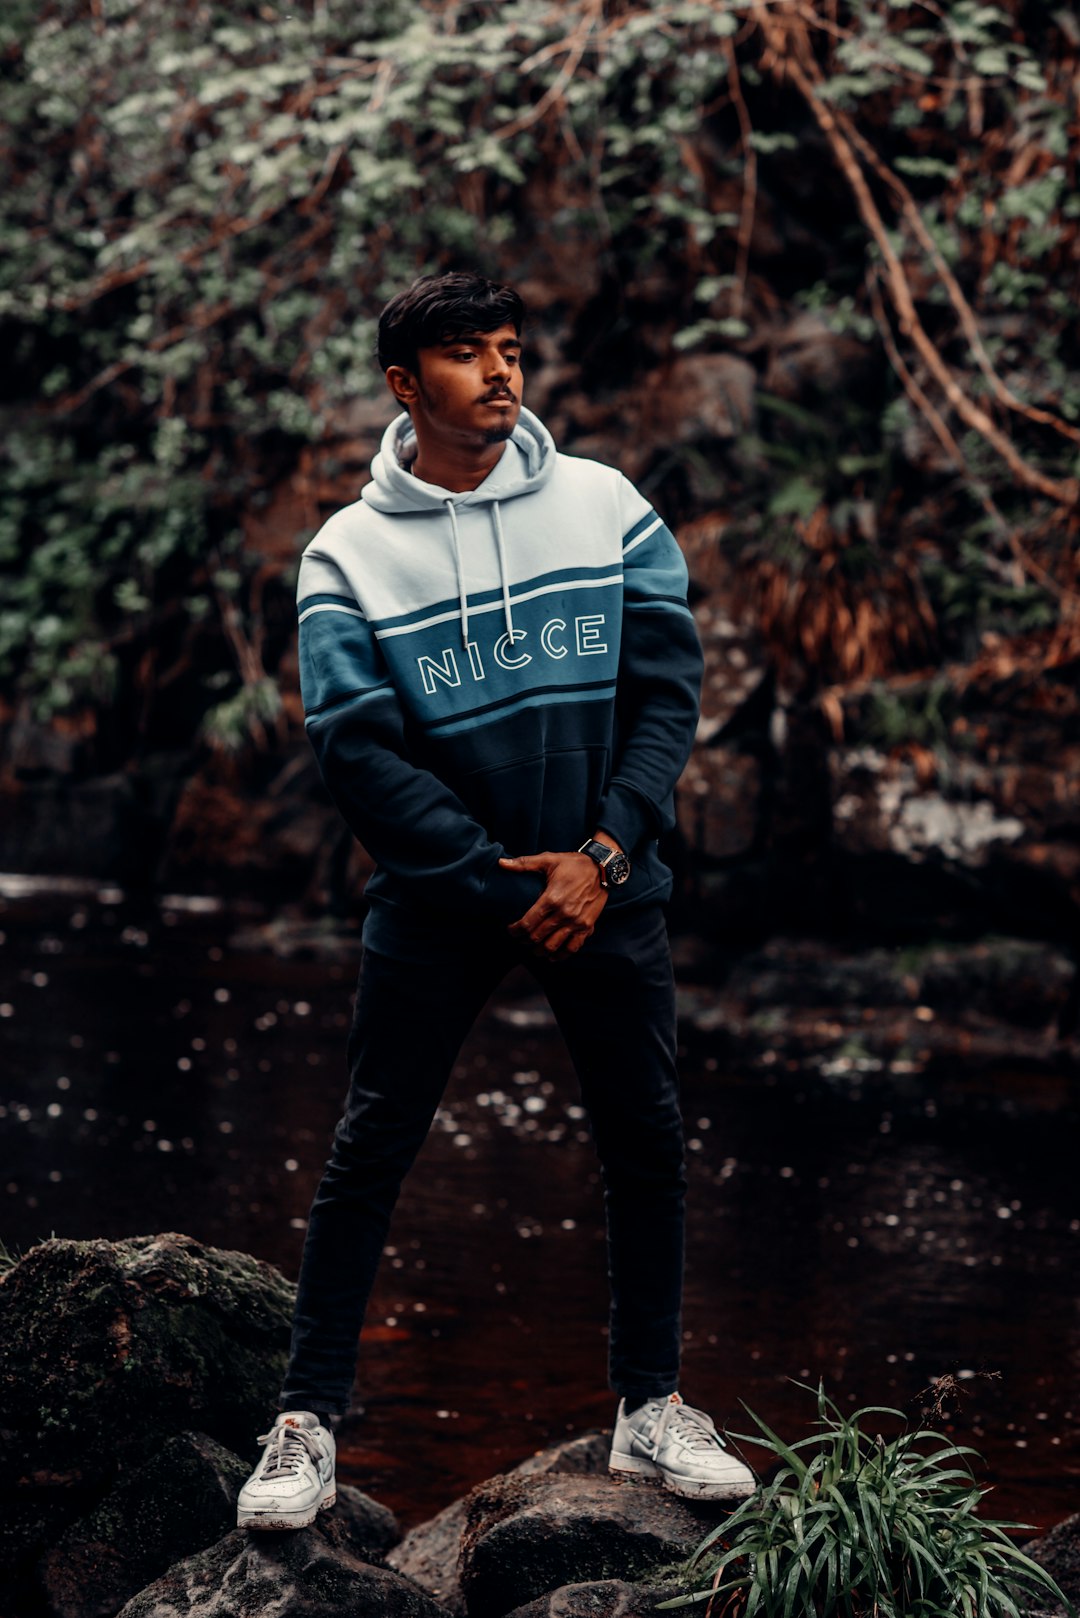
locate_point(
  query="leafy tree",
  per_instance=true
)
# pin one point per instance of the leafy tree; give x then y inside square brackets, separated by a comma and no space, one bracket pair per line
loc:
[205,205]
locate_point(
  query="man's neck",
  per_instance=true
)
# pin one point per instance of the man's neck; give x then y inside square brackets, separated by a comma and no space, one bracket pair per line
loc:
[457,471]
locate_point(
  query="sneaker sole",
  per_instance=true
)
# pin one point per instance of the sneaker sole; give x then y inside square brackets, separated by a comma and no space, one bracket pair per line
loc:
[642,1470]
[270,1521]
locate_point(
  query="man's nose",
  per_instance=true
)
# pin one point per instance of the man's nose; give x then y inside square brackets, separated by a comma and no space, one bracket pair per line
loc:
[499,367]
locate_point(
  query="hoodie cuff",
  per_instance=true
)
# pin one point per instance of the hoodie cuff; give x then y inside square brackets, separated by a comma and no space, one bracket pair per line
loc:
[628,816]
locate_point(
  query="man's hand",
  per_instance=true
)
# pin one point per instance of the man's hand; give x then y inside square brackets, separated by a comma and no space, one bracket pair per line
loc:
[567,911]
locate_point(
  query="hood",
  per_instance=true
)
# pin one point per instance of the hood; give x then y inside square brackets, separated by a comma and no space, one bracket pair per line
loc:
[525,465]
[394,489]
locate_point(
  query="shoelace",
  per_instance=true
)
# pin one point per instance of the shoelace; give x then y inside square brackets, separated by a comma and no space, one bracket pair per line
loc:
[284,1454]
[696,1429]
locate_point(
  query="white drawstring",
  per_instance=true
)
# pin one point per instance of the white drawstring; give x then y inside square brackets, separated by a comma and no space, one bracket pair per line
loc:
[459,566]
[499,546]
[463,598]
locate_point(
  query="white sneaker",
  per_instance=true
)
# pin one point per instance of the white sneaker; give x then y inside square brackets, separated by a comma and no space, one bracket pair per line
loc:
[294,1479]
[671,1440]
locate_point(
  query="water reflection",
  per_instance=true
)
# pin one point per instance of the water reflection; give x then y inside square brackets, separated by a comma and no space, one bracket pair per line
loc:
[875,1228]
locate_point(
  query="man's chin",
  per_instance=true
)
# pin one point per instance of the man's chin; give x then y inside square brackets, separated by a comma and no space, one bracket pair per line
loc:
[499,434]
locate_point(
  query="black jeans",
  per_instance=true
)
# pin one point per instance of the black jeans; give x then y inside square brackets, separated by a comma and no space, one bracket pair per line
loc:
[615,1004]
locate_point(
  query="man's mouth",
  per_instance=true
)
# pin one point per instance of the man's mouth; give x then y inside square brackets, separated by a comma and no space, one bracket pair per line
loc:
[499,398]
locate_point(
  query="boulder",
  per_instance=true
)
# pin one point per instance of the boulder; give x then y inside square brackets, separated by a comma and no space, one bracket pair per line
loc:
[180,1501]
[699,398]
[718,803]
[428,1555]
[583,1457]
[527,1536]
[602,1598]
[429,1552]
[99,826]
[989,1002]
[30,1521]
[109,1348]
[330,1570]
[1058,1551]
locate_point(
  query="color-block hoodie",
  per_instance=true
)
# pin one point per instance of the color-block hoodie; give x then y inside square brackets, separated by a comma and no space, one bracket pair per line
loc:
[502,671]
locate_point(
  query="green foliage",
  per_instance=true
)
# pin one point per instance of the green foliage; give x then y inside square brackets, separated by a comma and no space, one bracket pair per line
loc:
[204,208]
[244,717]
[892,717]
[856,1525]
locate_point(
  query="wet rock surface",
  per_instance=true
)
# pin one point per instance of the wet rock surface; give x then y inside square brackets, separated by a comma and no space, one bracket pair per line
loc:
[326,1571]
[526,1536]
[603,1598]
[554,1537]
[429,1553]
[181,1500]
[1059,1553]
[987,1002]
[129,1372]
[108,1348]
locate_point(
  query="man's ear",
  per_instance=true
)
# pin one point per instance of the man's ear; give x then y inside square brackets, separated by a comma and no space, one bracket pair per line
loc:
[402,384]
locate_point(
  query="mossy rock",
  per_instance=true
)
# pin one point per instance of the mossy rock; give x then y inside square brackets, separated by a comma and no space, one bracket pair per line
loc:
[108,1348]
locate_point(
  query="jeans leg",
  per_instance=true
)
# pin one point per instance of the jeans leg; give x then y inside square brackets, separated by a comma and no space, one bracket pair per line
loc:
[615,1004]
[408,1026]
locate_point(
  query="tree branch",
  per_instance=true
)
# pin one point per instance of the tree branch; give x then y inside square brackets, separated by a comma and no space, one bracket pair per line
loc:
[792,56]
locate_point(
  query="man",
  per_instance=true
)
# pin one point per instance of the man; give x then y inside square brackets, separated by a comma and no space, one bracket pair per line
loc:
[500,675]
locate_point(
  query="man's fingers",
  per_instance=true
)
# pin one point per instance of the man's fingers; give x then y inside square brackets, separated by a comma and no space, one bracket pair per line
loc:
[528,862]
[536,913]
[556,941]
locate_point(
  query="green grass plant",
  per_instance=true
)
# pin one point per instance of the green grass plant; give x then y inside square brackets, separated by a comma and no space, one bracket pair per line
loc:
[858,1526]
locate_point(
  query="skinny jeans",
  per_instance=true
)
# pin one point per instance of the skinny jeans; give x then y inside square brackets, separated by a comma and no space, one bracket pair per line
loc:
[614,1002]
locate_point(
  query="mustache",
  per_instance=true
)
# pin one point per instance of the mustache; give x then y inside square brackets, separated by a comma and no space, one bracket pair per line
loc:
[499,393]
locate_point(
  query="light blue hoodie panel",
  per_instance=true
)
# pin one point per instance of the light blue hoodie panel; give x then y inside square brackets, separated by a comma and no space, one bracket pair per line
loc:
[479,639]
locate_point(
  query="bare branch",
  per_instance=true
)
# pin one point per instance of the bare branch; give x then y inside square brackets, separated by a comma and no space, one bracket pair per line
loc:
[792,57]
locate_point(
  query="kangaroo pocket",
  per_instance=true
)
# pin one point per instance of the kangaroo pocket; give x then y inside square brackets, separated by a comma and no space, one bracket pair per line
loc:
[546,801]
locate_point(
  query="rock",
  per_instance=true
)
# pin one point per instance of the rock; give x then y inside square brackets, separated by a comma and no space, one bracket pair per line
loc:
[101,826]
[317,1572]
[718,803]
[370,1527]
[429,1552]
[805,351]
[109,1348]
[881,805]
[1002,1000]
[603,1598]
[1059,1553]
[429,1556]
[34,750]
[699,397]
[737,670]
[583,1457]
[30,1522]
[180,1501]
[527,1536]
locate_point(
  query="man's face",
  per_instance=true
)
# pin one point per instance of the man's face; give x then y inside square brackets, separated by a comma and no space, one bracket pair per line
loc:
[466,390]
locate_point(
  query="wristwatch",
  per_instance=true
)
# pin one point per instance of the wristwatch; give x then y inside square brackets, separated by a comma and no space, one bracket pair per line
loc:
[614,867]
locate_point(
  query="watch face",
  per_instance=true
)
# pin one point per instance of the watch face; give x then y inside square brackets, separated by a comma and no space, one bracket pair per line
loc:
[617,870]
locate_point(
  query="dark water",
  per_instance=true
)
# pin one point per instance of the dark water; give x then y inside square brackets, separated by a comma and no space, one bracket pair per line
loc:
[877,1233]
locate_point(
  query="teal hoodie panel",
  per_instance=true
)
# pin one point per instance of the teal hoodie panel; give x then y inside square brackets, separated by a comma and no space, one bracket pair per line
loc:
[501,671]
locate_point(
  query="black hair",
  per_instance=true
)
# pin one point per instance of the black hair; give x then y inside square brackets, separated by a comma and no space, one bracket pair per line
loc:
[437,307]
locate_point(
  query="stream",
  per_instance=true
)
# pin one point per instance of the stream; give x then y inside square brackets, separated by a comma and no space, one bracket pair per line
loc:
[876,1231]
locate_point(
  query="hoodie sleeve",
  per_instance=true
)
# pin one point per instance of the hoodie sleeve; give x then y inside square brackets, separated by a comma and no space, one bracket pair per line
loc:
[659,680]
[410,823]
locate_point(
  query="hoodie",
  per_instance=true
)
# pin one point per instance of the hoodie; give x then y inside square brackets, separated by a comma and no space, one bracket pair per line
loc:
[501,671]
